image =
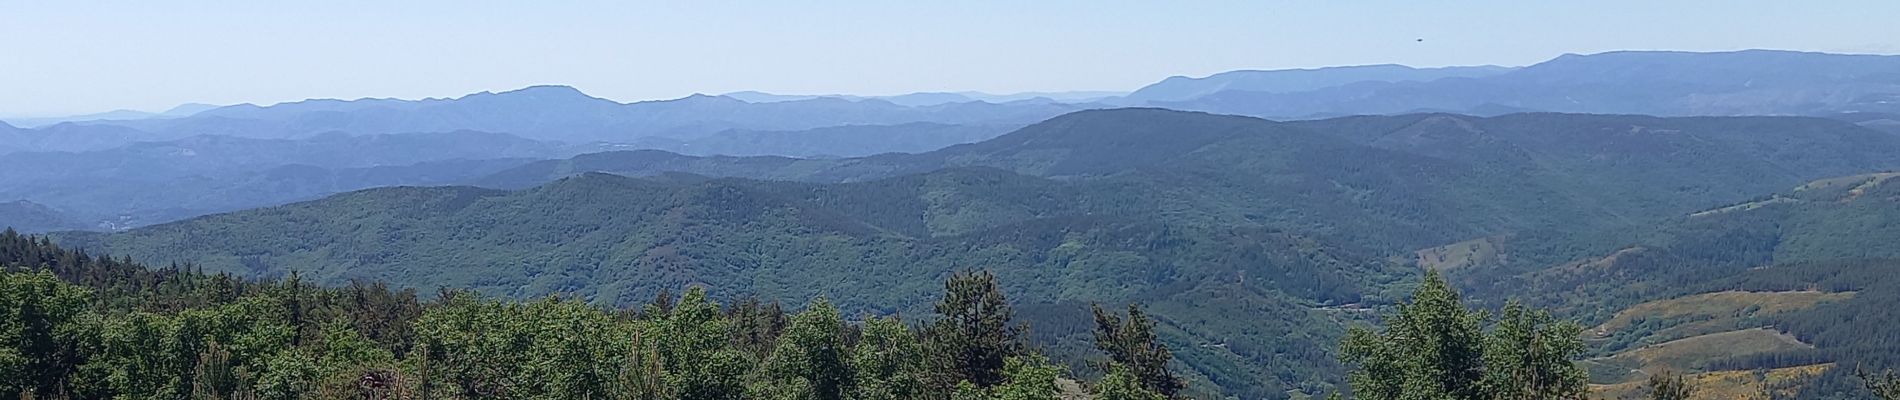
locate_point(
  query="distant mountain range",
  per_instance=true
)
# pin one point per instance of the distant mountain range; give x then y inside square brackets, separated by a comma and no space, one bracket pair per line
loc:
[559,113]
[1181,88]
[1755,82]
[183,110]
[938,98]
[225,147]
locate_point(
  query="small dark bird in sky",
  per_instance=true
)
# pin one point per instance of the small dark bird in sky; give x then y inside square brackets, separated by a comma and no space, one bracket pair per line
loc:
[1421,39]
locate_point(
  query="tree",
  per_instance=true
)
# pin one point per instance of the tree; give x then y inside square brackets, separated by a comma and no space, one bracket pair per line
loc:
[968,391]
[1120,384]
[1527,357]
[810,360]
[888,363]
[40,332]
[695,353]
[1665,386]
[1131,346]
[1432,349]
[974,334]
[1028,377]
[1884,385]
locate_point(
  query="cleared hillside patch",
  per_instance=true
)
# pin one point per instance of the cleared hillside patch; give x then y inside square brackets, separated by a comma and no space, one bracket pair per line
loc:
[1458,255]
[1691,353]
[1708,313]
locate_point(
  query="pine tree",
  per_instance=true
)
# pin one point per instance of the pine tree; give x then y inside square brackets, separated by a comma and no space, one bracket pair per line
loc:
[1132,346]
[40,332]
[1885,386]
[974,334]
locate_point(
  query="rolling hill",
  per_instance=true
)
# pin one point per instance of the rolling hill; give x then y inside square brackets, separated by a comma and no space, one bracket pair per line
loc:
[29,217]
[618,240]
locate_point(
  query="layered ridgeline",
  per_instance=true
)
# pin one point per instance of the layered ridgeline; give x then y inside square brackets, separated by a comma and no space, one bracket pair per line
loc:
[1254,242]
[104,172]
[152,182]
[240,156]
[548,113]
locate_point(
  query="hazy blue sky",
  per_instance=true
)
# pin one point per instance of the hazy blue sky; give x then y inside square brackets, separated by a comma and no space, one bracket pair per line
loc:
[73,56]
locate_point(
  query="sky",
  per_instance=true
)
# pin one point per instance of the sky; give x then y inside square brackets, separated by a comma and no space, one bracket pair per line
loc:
[78,56]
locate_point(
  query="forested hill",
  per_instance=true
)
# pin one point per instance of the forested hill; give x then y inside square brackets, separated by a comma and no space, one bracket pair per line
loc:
[876,246]
[1454,177]
[1254,242]
[79,326]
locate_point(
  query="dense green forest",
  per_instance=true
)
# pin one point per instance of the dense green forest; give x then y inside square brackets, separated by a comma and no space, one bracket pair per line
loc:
[77,326]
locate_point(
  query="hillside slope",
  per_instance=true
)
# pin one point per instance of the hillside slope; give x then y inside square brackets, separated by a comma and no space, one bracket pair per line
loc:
[618,240]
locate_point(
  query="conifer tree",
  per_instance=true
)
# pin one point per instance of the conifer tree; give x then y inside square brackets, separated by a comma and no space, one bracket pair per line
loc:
[1885,386]
[1132,346]
[974,333]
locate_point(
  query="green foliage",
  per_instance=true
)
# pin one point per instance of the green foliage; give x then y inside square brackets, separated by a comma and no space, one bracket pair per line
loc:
[289,340]
[1027,377]
[1120,384]
[691,342]
[1669,387]
[1133,348]
[975,334]
[889,363]
[1436,348]
[1432,349]
[968,391]
[1885,385]
[1528,356]
[44,332]
[812,359]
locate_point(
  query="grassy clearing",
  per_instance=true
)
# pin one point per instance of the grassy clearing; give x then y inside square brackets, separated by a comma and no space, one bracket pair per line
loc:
[1723,385]
[1458,255]
[1707,313]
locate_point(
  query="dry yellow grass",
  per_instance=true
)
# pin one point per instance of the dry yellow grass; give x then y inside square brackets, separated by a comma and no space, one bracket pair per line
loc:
[1685,354]
[1862,181]
[1722,385]
[1714,312]
[1458,255]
